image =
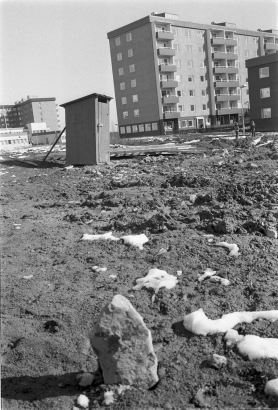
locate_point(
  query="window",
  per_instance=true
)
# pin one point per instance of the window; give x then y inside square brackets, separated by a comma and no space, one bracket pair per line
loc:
[183,123]
[119,56]
[135,98]
[132,68]
[178,77]
[124,100]
[189,63]
[246,40]
[264,72]
[237,64]
[175,31]
[134,128]
[190,123]
[187,33]
[154,126]
[121,71]
[180,108]
[130,52]
[188,48]
[122,130]
[255,53]
[202,78]
[128,129]
[191,78]
[199,34]
[118,41]
[122,86]
[266,113]
[204,107]
[203,93]
[125,114]
[136,113]
[191,93]
[128,37]
[192,107]
[200,49]
[265,92]
[177,47]
[179,93]
[246,53]
[178,63]
[148,127]
[133,83]
[141,128]
[201,64]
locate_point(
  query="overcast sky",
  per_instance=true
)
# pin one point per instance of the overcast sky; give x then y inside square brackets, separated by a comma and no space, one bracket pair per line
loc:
[59,48]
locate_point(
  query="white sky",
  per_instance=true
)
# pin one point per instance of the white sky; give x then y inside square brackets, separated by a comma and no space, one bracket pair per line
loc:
[59,48]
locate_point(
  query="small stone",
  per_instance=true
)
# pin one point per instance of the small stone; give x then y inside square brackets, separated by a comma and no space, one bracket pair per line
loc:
[84,379]
[192,198]
[123,345]
[217,361]
[271,233]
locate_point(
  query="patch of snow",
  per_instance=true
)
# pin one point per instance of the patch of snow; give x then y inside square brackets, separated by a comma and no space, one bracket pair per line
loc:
[254,347]
[113,276]
[135,240]
[108,398]
[198,323]
[105,236]
[271,388]
[98,269]
[28,277]
[83,401]
[218,279]
[233,248]
[208,272]
[155,280]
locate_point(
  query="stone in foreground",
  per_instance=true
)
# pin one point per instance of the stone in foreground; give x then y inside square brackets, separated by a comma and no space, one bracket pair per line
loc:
[123,345]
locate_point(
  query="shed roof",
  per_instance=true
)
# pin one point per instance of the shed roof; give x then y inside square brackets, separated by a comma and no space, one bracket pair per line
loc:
[100,97]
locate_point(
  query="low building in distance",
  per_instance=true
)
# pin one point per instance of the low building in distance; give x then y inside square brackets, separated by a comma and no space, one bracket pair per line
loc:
[30,110]
[11,138]
[177,75]
[263,85]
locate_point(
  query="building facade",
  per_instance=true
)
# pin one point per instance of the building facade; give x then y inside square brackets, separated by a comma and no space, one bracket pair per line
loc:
[30,110]
[176,75]
[263,84]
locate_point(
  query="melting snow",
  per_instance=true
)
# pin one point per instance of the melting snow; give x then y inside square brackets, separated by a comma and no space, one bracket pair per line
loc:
[233,248]
[83,401]
[198,323]
[271,388]
[105,236]
[135,240]
[108,398]
[156,279]
[208,272]
[254,347]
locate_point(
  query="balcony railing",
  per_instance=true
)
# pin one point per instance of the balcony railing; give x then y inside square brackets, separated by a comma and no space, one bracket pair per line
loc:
[170,99]
[169,68]
[221,55]
[164,35]
[171,114]
[223,41]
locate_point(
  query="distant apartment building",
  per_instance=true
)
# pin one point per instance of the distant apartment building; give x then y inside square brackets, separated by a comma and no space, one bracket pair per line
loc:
[263,84]
[30,110]
[177,75]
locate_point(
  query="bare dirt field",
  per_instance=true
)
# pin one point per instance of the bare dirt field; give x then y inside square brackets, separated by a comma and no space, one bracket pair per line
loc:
[184,204]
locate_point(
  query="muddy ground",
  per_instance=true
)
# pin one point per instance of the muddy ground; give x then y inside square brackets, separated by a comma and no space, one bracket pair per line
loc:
[47,318]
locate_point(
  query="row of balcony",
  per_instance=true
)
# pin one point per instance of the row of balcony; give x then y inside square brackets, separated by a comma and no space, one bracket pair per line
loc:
[217,84]
[221,55]
[219,41]
[169,115]
[227,97]
[271,46]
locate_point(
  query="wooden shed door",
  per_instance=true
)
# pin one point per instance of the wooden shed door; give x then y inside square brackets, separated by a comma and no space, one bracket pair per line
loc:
[103,132]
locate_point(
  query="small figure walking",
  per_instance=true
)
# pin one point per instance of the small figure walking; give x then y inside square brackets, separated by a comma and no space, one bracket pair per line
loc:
[253,129]
[237,131]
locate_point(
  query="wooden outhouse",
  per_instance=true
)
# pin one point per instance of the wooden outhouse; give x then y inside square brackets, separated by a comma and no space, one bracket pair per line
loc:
[87,130]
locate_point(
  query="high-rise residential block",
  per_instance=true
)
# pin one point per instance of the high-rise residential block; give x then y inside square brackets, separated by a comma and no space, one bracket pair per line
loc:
[263,83]
[177,75]
[30,110]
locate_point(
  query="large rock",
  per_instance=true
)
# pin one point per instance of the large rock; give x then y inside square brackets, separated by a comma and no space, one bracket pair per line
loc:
[123,345]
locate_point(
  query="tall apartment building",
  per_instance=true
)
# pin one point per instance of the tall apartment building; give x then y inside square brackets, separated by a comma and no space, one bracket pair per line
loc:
[172,74]
[30,110]
[263,82]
